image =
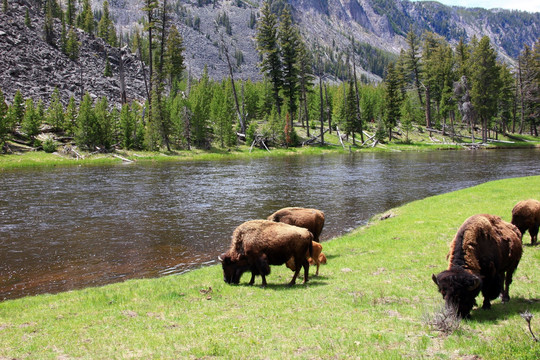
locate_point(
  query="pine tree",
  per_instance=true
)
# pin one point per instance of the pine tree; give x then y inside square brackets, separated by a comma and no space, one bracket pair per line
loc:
[87,131]
[55,113]
[105,29]
[200,98]
[305,80]
[70,118]
[27,18]
[289,43]
[5,6]
[72,45]
[485,83]
[127,127]
[31,121]
[4,128]
[174,58]
[85,19]
[414,61]
[48,28]
[108,71]
[351,111]
[103,127]
[506,98]
[267,46]
[70,12]
[15,112]
[392,100]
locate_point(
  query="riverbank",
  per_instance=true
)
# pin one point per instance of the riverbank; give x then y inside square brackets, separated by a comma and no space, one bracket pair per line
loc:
[373,299]
[419,142]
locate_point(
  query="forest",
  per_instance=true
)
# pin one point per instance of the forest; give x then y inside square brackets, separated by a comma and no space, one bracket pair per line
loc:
[433,85]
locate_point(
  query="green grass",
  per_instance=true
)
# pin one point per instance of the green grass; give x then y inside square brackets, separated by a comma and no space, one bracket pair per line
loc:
[371,301]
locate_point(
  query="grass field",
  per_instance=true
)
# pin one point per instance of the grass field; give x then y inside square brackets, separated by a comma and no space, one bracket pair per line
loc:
[373,300]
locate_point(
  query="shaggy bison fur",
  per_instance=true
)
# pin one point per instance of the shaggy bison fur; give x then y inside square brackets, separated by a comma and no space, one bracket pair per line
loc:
[311,219]
[257,244]
[526,216]
[317,258]
[483,256]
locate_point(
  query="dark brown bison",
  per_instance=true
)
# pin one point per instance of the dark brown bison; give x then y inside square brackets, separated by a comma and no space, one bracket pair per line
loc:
[257,244]
[311,219]
[526,216]
[483,255]
[316,258]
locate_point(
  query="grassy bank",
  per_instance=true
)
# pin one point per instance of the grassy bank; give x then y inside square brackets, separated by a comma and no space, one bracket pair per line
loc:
[418,142]
[371,301]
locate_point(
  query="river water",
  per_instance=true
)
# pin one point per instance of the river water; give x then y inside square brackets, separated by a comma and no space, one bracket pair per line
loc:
[72,227]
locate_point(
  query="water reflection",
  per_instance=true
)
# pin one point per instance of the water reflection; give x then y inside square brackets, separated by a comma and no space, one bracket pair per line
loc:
[72,227]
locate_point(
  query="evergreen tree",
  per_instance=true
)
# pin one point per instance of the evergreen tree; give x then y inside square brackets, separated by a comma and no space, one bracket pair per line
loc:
[27,18]
[414,61]
[31,121]
[222,112]
[200,98]
[289,43]
[15,112]
[70,118]
[529,85]
[70,12]
[108,71]
[127,127]
[103,129]
[506,98]
[4,128]
[85,19]
[174,58]
[485,83]
[105,28]
[351,112]
[55,113]
[87,131]
[48,28]
[392,100]
[267,46]
[5,6]
[72,45]
[305,80]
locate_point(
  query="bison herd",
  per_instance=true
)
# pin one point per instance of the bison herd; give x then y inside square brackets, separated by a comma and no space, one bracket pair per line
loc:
[483,255]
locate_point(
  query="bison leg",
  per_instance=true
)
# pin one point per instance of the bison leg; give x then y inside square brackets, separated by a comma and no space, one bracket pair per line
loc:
[306,270]
[252,281]
[506,292]
[533,231]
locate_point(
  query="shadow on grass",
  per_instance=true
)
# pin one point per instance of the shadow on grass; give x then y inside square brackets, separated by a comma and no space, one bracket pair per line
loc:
[313,281]
[500,311]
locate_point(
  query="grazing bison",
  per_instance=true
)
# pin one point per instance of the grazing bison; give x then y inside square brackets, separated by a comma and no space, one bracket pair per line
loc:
[257,244]
[316,258]
[483,255]
[311,219]
[526,216]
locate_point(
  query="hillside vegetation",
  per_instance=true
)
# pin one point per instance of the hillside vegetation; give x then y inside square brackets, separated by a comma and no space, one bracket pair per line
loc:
[374,299]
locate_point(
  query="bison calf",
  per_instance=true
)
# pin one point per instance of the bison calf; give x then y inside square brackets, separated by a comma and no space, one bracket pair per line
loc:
[316,258]
[311,219]
[483,256]
[526,216]
[257,244]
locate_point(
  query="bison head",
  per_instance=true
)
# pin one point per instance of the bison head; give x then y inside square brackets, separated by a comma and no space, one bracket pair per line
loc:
[233,268]
[459,289]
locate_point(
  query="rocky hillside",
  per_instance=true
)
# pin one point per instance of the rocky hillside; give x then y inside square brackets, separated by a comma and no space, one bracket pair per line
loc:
[35,68]
[378,26]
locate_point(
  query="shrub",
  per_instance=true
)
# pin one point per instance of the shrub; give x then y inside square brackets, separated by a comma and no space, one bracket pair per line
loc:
[49,145]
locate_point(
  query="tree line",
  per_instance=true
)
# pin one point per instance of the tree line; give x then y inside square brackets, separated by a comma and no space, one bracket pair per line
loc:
[432,84]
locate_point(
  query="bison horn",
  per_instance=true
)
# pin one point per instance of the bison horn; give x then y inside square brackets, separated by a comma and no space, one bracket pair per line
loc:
[476,284]
[435,279]
[219,258]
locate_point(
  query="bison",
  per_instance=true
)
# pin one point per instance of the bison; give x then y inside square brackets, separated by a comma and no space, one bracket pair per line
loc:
[483,255]
[311,219]
[257,244]
[317,258]
[526,216]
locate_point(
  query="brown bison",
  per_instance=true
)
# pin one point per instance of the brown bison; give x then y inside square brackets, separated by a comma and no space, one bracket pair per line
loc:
[526,216]
[483,255]
[257,244]
[311,219]
[316,258]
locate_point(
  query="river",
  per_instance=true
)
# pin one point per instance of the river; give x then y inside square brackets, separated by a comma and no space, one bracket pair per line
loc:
[71,227]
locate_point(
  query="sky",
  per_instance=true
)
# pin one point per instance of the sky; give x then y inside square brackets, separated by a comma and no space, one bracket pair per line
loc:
[524,5]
